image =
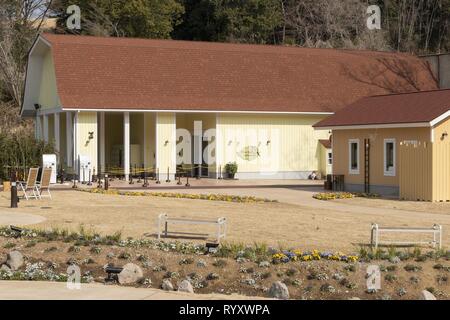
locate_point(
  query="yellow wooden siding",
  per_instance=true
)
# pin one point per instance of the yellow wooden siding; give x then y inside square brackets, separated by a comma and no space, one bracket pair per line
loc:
[186,121]
[439,129]
[341,152]
[48,95]
[415,171]
[87,122]
[165,152]
[441,171]
[293,143]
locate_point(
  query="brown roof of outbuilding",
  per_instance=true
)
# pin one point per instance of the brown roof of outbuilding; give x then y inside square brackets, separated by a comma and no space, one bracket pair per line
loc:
[127,73]
[417,107]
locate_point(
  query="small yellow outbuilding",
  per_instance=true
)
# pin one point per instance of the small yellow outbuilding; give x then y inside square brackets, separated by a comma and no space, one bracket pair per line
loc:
[394,145]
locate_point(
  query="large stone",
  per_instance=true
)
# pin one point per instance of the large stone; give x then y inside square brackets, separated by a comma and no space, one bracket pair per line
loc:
[131,273]
[279,290]
[167,285]
[5,268]
[427,295]
[14,260]
[185,286]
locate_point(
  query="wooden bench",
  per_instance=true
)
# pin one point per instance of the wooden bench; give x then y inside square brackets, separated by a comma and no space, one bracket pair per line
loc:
[436,230]
[164,220]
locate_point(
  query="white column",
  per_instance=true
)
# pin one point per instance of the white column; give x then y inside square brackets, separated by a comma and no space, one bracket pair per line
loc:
[101,141]
[69,139]
[45,118]
[126,144]
[38,128]
[75,149]
[57,131]
[145,140]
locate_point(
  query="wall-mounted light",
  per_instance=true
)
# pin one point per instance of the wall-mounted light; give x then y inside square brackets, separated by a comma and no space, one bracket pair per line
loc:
[444,135]
[91,135]
[268,142]
[37,106]
[166,142]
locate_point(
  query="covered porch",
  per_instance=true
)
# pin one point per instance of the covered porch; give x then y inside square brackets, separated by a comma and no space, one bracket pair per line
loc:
[128,145]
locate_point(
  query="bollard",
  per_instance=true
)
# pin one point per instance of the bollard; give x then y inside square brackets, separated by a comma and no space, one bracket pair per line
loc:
[63,173]
[157,176]
[94,176]
[14,197]
[131,175]
[106,182]
[99,182]
[89,178]
[187,181]
[179,179]
[220,172]
[168,180]
[145,185]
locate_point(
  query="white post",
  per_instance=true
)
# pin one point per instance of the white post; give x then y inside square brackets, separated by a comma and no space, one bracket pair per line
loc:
[45,118]
[126,144]
[57,132]
[102,123]
[69,139]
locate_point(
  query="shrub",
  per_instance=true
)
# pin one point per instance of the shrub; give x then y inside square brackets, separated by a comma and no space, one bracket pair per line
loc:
[21,150]
[231,168]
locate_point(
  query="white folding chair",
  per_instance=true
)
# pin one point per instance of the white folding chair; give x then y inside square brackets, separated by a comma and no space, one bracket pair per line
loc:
[30,184]
[44,185]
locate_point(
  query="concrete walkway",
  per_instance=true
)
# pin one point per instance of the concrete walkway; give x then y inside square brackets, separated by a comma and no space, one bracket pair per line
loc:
[43,290]
[12,217]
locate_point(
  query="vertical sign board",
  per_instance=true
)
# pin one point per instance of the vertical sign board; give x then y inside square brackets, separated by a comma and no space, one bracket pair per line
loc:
[49,161]
[85,164]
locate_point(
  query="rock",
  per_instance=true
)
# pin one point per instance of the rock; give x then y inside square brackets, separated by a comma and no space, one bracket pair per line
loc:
[264,264]
[394,260]
[338,276]
[279,290]
[401,292]
[427,295]
[167,285]
[5,268]
[14,260]
[202,263]
[131,273]
[185,286]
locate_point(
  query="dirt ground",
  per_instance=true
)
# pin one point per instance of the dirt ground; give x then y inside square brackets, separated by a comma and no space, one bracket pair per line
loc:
[305,280]
[309,226]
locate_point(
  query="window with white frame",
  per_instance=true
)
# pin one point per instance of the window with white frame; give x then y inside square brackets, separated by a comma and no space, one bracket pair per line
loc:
[353,156]
[389,157]
[329,158]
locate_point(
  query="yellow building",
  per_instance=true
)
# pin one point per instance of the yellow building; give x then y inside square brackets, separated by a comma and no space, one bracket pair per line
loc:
[394,145]
[113,104]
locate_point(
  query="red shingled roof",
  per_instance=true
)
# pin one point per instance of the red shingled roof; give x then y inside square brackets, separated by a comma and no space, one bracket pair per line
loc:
[417,107]
[125,73]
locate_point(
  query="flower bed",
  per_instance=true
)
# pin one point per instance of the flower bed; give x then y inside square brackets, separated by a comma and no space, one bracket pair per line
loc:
[212,197]
[343,195]
[298,255]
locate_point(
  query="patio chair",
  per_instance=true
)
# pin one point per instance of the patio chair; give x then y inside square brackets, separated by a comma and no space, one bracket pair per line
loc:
[30,184]
[44,185]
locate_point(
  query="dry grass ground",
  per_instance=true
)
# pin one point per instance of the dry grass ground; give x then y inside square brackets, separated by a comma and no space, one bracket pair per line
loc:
[288,225]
